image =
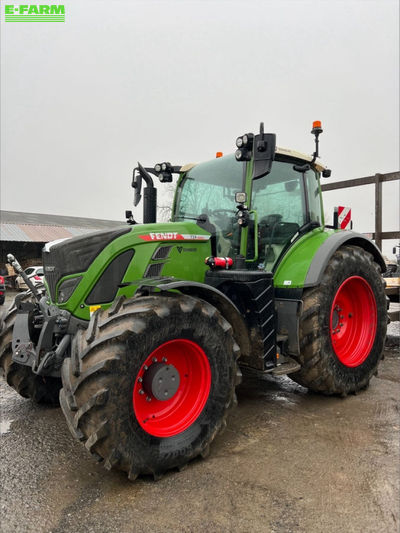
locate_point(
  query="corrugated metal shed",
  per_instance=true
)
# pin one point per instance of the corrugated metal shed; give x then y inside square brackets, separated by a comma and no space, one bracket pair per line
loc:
[34,227]
[12,232]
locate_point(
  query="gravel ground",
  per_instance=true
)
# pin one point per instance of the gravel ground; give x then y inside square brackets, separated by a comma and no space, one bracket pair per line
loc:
[394,327]
[289,461]
[393,330]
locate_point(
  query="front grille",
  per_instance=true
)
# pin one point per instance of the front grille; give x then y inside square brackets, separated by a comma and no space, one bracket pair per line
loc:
[52,275]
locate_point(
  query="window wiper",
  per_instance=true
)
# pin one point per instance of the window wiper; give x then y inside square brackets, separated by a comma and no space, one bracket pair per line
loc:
[200,218]
[308,226]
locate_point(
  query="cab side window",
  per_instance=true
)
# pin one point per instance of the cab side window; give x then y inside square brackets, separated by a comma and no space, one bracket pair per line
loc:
[279,201]
[314,197]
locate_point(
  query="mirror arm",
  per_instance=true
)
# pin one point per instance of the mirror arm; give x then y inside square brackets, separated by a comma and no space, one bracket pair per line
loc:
[146,176]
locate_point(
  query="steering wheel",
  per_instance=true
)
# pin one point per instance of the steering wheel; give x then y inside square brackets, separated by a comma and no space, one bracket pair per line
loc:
[218,213]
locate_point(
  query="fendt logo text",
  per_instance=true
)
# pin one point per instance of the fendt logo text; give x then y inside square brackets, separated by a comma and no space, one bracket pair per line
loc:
[34,13]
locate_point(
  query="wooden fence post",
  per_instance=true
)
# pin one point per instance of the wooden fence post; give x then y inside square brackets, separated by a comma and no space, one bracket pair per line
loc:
[378,211]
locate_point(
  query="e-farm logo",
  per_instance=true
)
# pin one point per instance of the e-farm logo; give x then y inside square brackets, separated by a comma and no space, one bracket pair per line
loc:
[34,13]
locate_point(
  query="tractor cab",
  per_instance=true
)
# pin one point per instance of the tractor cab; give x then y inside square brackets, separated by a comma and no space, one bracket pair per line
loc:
[277,207]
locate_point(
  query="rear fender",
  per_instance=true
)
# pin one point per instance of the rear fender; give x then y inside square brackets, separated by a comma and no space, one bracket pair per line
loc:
[305,262]
[329,247]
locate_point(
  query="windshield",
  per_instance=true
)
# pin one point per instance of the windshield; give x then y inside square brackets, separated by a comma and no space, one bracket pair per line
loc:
[209,189]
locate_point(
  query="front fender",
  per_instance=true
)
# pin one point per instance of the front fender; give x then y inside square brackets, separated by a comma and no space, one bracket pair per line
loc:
[210,294]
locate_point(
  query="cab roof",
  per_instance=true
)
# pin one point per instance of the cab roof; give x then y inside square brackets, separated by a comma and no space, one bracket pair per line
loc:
[281,151]
[298,155]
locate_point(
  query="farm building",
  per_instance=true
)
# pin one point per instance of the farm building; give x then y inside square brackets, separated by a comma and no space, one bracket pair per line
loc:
[24,234]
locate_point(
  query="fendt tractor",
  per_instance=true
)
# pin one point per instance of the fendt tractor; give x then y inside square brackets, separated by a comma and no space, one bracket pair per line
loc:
[141,332]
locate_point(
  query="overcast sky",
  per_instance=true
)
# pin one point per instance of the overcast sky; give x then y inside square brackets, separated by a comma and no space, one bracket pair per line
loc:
[178,80]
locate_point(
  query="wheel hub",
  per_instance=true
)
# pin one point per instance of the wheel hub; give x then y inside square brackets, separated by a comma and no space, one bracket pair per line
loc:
[335,318]
[161,381]
[171,387]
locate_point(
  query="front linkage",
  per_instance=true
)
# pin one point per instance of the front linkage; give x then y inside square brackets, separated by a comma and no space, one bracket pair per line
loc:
[42,333]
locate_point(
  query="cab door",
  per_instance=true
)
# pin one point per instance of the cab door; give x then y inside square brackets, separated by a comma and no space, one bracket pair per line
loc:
[281,204]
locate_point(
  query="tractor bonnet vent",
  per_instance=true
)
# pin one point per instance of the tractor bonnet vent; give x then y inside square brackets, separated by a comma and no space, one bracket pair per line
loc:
[162,252]
[154,271]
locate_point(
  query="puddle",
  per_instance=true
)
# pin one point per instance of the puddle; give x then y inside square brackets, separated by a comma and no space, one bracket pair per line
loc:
[284,399]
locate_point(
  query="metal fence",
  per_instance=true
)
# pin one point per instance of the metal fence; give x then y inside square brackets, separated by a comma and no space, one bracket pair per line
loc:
[377,179]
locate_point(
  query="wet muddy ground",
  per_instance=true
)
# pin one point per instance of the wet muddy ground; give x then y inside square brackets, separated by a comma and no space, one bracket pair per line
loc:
[289,461]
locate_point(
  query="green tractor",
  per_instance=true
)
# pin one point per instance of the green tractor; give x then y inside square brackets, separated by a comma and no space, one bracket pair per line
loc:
[141,332]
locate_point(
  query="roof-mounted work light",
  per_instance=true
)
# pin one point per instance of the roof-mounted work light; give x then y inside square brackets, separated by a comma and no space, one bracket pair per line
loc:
[245,147]
[164,171]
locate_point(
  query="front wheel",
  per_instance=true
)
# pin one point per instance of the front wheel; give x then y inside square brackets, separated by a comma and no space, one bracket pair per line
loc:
[149,383]
[343,325]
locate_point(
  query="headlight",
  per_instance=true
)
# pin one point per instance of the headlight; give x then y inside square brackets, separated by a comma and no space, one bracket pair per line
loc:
[66,288]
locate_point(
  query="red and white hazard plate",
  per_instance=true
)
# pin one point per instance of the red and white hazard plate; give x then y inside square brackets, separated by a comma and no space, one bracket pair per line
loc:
[344,217]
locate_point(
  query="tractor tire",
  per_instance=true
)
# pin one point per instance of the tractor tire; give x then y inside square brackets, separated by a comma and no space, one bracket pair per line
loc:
[111,396]
[343,324]
[40,389]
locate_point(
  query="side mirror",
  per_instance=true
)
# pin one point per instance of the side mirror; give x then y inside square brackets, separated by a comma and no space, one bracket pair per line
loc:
[137,185]
[264,153]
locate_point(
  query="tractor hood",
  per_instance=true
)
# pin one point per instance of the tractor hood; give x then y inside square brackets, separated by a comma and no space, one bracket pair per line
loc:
[70,256]
[94,268]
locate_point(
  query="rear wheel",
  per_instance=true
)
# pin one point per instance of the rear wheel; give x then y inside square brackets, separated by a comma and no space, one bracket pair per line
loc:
[149,383]
[343,325]
[41,389]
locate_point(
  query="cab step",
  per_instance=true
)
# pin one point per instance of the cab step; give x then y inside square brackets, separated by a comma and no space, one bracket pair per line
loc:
[289,366]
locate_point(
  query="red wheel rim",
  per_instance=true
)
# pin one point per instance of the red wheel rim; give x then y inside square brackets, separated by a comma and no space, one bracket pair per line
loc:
[165,418]
[353,321]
